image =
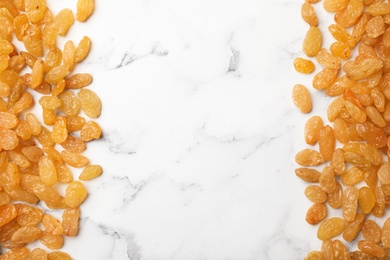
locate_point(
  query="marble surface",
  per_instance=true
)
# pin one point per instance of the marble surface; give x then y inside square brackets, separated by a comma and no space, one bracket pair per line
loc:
[200,131]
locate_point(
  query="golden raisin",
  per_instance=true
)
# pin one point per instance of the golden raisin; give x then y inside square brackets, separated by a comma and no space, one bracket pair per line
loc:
[301,98]
[330,228]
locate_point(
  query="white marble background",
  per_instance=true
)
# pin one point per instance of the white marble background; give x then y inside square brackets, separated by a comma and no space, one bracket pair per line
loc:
[200,131]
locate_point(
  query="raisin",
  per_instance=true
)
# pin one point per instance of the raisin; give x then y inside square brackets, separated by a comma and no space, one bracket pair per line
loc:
[330,228]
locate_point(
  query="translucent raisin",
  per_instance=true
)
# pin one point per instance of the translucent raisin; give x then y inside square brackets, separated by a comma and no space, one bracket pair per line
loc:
[316,213]
[335,198]
[309,157]
[63,21]
[353,228]
[352,176]
[315,194]
[327,180]
[26,234]
[324,78]
[28,215]
[340,251]
[90,131]
[75,194]
[90,172]
[52,225]
[350,203]
[47,171]
[70,221]
[70,105]
[91,104]
[371,231]
[371,248]
[303,65]
[307,174]
[327,142]
[74,159]
[366,199]
[326,59]
[330,228]
[82,49]
[60,132]
[52,241]
[312,42]
[386,234]
[77,81]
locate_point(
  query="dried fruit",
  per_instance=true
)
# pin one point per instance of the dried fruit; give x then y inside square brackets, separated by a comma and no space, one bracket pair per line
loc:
[371,231]
[327,142]
[7,213]
[26,234]
[312,43]
[52,241]
[341,50]
[335,198]
[337,162]
[372,154]
[52,225]
[340,251]
[30,171]
[70,105]
[74,159]
[371,248]
[58,255]
[384,174]
[90,172]
[38,254]
[327,249]
[353,228]
[378,8]
[327,180]
[84,9]
[380,203]
[56,74]
[35,9]
[75,194]
[324,78]
[21,253]
[82,49]
[386,234]
[327,59]
[70,221]
[309,157]
[74,144]
[47,171]
[68,54]
[366,199]
[92,106]
[333,5]
[63,21]
[90,131]
[314,255]
[375,27]
[28,215]
[303,65]
[330,228]
[60,132]
[350,14]
[307,174]
[363,69]
[79,80]
[316,213]
[341,35]
[350,203]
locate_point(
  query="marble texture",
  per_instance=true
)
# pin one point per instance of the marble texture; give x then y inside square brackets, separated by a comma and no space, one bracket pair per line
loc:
[200,131]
